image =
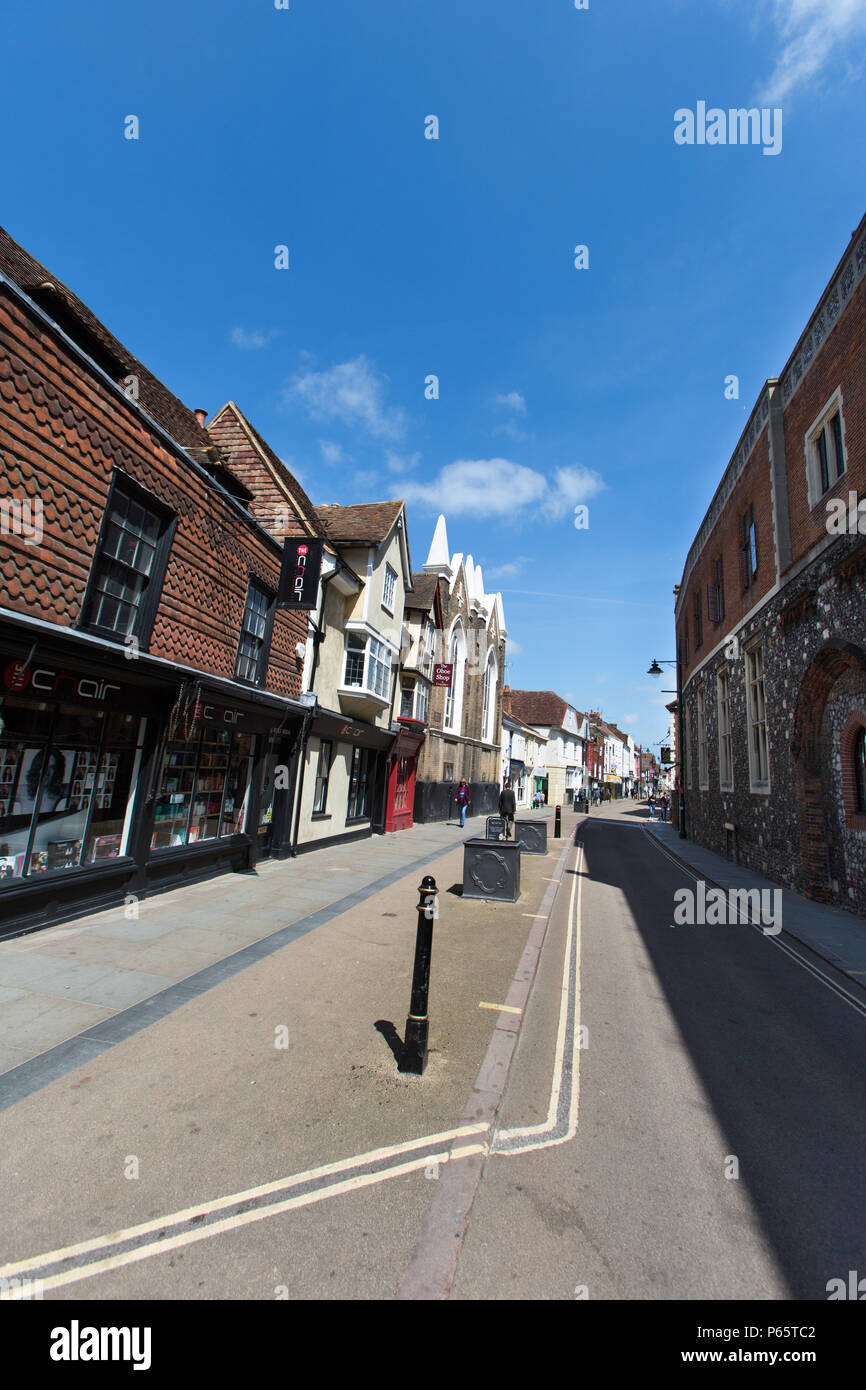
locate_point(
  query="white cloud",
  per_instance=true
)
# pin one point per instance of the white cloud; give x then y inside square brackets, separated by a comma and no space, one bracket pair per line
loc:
[811,33]
[351,392]
[512,401]
[332,452]
[629,719]
[399,463]
[509,570]
[250,341]
[512,648]
[500,488]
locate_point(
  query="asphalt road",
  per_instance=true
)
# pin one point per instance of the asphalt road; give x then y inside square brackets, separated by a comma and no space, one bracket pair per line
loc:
[682,1117]
[705,1044]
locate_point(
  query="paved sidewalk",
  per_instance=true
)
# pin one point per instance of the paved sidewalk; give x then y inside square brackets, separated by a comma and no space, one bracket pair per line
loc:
[838,937]
[90,982]
[276,1144]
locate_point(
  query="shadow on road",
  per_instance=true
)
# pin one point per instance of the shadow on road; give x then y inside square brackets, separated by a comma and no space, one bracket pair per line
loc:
[779,1054]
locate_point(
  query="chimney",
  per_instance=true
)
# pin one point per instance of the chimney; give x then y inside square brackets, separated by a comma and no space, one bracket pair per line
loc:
[201,416]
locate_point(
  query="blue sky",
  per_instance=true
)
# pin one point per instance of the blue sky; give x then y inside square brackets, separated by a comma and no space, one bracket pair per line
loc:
[407,256]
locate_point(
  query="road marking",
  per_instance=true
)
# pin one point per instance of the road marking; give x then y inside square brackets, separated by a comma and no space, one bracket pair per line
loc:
[858,1005]
[178,1218]
[246,1218]
[538,916]
[502,1008]
[564,1094]
[561,1123]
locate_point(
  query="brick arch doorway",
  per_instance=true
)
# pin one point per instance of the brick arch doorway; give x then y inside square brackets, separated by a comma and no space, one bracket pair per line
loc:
[835,659]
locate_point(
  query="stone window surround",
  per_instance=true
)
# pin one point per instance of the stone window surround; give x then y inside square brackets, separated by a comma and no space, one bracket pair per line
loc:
[757,788]
[723,677]
[813,482]
[854,819]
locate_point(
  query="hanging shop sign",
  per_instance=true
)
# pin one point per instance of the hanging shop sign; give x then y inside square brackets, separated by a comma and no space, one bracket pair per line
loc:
[300,572]
[443,674]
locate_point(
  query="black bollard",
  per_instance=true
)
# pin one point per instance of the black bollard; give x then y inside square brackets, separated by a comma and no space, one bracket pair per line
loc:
[414,1057]
[557,823]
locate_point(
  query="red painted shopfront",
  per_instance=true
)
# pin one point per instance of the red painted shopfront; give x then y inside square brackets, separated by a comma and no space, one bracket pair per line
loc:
[400,796]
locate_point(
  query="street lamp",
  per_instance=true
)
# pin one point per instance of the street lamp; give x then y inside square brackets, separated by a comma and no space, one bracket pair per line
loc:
[656,670]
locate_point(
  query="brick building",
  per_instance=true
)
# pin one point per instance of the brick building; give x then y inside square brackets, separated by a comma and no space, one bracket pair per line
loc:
[771,620]
[147,674]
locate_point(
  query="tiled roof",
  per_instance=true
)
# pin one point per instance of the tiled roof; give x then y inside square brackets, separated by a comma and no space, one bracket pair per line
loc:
[424,591]
[536,706]
[60,303]
[241,444]
[368,523]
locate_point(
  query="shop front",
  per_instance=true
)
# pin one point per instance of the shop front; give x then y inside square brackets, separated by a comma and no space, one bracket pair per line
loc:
[343,781]
[400,794]
[73,741]
[223,785]
[120,778]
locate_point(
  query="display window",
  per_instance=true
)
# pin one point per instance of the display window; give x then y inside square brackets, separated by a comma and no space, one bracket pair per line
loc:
[204,787]
[67,778]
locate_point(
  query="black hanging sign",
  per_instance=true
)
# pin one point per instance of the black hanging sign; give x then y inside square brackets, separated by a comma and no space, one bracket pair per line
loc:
[299,576]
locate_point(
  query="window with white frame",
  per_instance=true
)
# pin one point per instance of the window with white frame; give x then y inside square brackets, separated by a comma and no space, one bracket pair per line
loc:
[407,698]
[703,773]
[389,589]
[726,762]
[422,701]
[368,664]
[825,450]
[454,694]
[488,702]
[759,766]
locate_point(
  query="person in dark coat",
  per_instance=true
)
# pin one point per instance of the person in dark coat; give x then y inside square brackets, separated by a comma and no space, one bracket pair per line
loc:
[507,808]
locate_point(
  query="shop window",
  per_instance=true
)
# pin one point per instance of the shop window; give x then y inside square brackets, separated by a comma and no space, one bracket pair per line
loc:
[252,659]
[67,777]
[203,788]
[359,784]
[129,566]
[323,772]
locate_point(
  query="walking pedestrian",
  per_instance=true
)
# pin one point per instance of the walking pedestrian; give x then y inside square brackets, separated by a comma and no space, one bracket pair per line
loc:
[507,808]
[463,799]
